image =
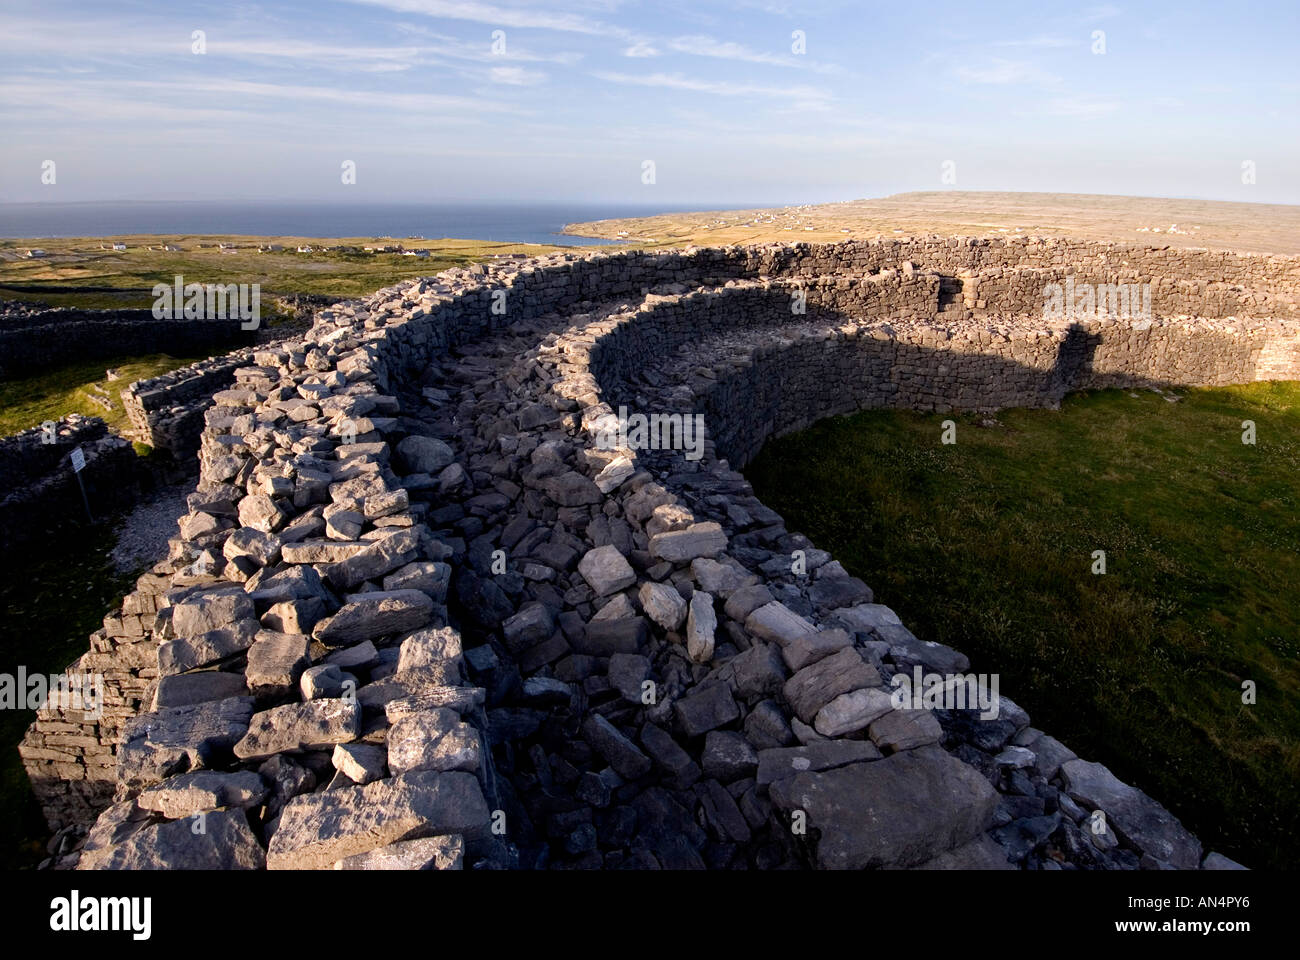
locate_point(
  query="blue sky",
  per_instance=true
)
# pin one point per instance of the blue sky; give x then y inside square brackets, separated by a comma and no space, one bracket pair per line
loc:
[582,92]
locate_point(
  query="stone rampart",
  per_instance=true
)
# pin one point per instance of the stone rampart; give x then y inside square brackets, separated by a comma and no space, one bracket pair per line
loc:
[423,612]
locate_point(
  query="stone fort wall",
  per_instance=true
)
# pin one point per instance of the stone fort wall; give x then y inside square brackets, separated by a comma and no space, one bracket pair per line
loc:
[334,665]
[35,340]
[39,492]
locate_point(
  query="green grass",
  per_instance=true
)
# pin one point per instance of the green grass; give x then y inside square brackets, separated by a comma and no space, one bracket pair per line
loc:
[52,394]
[986,545]
[78,273]
[54,596]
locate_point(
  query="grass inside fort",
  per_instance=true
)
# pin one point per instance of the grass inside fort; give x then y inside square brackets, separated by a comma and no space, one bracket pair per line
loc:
[51,394]
[988,546]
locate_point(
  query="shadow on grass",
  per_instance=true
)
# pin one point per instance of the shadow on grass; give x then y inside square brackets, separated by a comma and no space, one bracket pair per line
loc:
[987,546]
[55,593]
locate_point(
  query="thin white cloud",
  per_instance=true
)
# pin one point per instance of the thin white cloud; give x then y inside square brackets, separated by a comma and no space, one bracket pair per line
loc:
[641,48]
[517,76]
[1042,42]
[179,93]
[1104,12]
[497,15]
[704,46]
[1003,72]
[1079,107]
[443,45]
[722,88]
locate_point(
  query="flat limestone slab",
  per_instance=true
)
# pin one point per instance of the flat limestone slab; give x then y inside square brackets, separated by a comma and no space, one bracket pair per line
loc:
[224,843]
[319,829]
[297,726]
[155,745]
[1135,816]
[430,853]
[191,793]
[396,611]
[902,811]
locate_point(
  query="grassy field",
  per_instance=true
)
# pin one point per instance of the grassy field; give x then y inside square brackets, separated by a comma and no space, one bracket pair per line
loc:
[987,545]
[76,272]
[52,394]
[1257,227]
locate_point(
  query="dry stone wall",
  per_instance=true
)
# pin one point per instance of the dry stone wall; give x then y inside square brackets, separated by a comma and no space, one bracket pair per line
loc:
[166,411]
[34,340]
[39,487]
[422,613]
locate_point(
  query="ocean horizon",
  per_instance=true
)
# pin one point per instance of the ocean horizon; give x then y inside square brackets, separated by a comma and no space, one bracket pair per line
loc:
[497,222]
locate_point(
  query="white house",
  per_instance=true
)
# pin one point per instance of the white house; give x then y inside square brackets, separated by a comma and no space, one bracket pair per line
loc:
[118,245]
[305,248]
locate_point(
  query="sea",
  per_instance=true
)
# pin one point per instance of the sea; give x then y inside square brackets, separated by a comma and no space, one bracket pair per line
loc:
[511,223]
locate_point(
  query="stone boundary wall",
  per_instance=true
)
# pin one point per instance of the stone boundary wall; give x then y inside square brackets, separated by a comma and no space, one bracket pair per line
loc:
[40,491]
[295,659]
[38,341]
[166,411]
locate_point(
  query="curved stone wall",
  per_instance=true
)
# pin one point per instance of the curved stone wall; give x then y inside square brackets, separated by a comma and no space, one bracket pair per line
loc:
[714,353]
[422,613]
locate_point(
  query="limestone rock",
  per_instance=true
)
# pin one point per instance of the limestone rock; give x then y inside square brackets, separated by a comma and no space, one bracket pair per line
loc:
[184,689]
[377,615]
[622,754]
[361,763]
[701,625]
[727,756]
[905,730]
[706,709]
[157,745]
[224,843]
[436,740]
[663,604]
[780,762]
[204,649]
[606,570]
[319,829]
[903,810]
[778,623]
[276,661]
[811,647]
[211,610]
[299,726]
[850,712]
[424,454]
[815,686]
[429,853]
[1134,816]
[683,546]
[190,793]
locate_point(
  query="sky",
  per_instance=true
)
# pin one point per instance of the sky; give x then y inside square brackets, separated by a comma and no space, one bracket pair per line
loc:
[656,102]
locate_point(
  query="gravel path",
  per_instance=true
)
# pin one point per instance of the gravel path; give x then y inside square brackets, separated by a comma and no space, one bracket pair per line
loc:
[142,534]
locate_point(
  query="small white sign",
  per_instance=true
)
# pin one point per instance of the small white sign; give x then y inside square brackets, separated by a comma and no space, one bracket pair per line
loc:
[78,459]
